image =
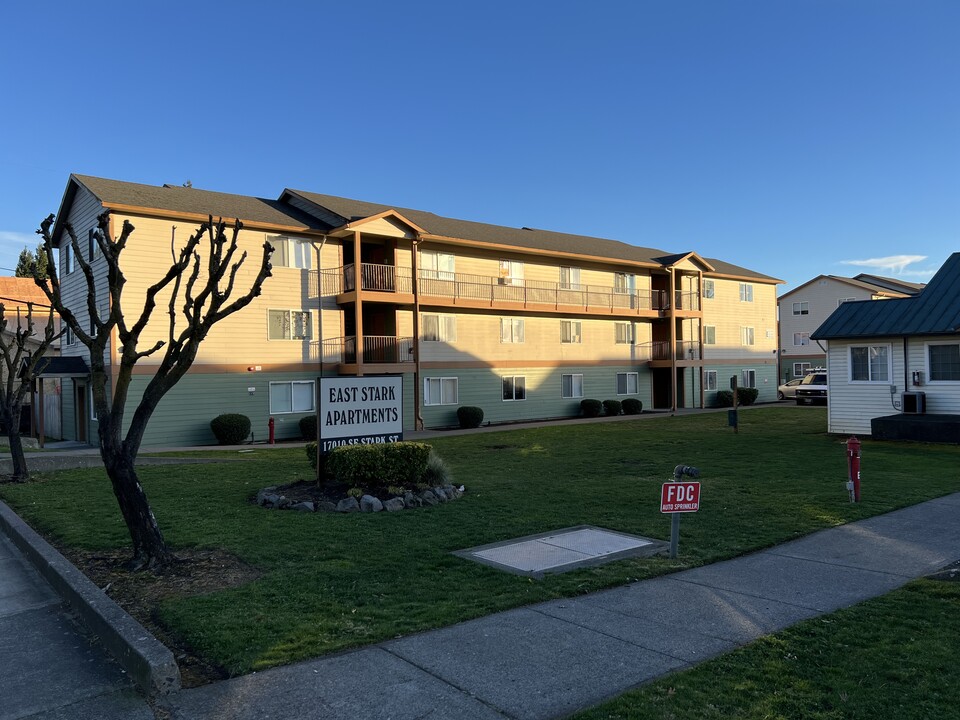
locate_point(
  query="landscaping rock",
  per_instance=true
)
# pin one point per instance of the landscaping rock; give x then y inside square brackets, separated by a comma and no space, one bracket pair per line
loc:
[411,500]
[368,503]
[305,506]
[266,492]
[452,492]
[441,494]
[326,506]
[429,498]
[284,503]
[393,504]
[348,505]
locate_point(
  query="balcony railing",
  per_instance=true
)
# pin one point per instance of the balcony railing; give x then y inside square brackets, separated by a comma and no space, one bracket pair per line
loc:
[687,300]
[376,349]
[683,350]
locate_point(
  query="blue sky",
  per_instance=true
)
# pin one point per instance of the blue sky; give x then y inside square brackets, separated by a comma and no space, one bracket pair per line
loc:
[791,137]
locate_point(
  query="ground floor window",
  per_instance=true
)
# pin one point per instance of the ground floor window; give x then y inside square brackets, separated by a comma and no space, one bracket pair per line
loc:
[748,379]
[943,361]
[870,363]
[710,380]
[514,387]
[441,391]
[801,369]
[571,386]
[627,383]
[295,396]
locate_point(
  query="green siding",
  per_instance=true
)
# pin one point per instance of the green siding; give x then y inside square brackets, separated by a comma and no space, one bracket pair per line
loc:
[766,380]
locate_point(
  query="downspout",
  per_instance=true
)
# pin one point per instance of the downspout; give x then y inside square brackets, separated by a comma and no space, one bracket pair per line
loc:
[417,416]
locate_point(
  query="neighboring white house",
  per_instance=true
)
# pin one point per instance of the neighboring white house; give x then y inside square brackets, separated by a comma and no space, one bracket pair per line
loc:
[803,310]
[877,351]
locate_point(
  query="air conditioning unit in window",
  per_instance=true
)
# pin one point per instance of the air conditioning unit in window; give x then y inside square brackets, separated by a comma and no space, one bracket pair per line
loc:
[913,403]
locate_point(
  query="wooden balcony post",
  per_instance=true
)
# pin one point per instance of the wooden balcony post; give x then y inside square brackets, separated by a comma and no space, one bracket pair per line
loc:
[417,419]
[358,305]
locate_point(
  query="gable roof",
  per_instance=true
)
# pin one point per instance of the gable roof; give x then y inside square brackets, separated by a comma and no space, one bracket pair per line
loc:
[18,291]
[902,286]
[862,282]
[933,311]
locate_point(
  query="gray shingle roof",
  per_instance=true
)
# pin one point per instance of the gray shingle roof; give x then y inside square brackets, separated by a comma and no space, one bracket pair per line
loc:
[933,311]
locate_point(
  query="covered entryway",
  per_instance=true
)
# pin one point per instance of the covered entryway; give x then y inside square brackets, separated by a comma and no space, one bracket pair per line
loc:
[72,375]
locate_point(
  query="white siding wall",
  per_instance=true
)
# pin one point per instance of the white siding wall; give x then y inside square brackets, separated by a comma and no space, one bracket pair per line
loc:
[943,396]
[853,404]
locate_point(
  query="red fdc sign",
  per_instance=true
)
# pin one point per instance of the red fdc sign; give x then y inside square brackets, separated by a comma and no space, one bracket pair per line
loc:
[677,497]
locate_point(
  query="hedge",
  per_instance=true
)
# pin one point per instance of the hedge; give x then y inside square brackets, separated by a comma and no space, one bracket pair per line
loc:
[377,467]
[632,406]
[230,428]
[469,416]
[612,407]
[590,408]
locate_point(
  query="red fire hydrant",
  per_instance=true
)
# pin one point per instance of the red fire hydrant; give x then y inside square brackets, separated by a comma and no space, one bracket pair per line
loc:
[270,425]
[853,466]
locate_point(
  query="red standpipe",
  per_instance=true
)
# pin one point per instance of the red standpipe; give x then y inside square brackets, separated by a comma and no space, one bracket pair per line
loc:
[853,463]
[270,425]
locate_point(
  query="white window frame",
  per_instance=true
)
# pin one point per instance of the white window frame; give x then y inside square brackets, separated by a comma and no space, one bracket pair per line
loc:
[748,378]
[626,383]
[442,392]
[573,385]
[630,333]
[801,336]
[511,272]
[709,290]
[512,331]
[513,382]
[308,324]
[93,248]
[804,369]
[291,252]
[572,280]
[707,340]
[574,332]
[436,265]
[446,327]
[926,354]
[841,301]
[68,264]
[68,337]
[293,410]
[801,307]
[746,292]
[709,380]
[624,283]
[870,379]
[747,336]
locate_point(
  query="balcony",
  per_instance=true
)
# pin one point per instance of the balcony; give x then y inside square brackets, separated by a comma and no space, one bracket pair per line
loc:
[689,350]
[378,351]
[687,300]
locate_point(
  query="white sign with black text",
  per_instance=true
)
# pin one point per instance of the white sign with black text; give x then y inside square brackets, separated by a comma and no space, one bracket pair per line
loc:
[360,410]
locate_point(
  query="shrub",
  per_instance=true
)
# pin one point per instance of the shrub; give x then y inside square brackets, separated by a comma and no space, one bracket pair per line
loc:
[311,450]
[745,396]
[308,427]
[724,398]
[590,408]
[437,472]
[469,416]
[632,406]
[377,467]
[611,407]
[231,428]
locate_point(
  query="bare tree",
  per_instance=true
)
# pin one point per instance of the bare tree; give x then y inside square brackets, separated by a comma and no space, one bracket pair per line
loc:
[19,368]
[199,297]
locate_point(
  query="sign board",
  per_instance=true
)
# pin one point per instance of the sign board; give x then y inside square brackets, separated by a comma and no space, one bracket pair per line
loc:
[360,410]
[679,497]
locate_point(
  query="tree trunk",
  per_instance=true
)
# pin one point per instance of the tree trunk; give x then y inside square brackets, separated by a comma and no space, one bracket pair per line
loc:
[149,547]
[19,460]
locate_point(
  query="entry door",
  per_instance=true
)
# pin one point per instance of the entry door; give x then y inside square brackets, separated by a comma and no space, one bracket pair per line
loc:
[82,410]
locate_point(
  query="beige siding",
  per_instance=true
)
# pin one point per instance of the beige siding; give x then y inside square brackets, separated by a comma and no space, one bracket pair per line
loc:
[728,314]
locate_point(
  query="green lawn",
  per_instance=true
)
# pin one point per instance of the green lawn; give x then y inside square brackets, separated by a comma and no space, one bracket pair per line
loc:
[897,656]
[334,581]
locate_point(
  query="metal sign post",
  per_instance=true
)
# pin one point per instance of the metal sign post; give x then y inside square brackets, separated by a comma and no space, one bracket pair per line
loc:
[679,497]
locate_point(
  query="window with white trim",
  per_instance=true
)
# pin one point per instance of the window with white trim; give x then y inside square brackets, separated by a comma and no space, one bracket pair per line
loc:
[870,363]
[746,292]
[68,337]
[624,283]
[511,272]
[571,386]
[514,388]
[511,330]
[801,369]
[710,380]
[748,378]
[439,328]
[93,247]
[291,252]
[746,336]
[709,335]
[801,338]
[288,324]
[436,265]
[570,332]
[709,292]
[569,278]
[441,391]
[627,383]
[801,308]
[294,396]
[67,252]
[943,362]
[623,333]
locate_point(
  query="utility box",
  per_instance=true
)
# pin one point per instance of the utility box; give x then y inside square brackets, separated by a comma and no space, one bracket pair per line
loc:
[913,403]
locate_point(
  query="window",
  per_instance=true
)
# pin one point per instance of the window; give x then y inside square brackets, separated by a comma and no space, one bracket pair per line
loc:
[295,396]
[291,252]
[439,328]
[801,338]
[627,383]
[624,282]
[68,336]
[514,387]
[746,336]
[943,362]
[101,314]
[708,289]
[841,301]
[288,324]
[624,333]
[746,292]
[748,378]
[571,386]
[801,369]
[93,247]
[569,278]
[67,259]
[870,363]
[570,332]
[511,272]
[710,380]
[441,391]
[801,308]
[709,335]
[436,265]
[511,330]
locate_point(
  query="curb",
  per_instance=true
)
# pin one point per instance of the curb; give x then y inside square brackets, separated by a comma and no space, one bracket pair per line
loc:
[144,658]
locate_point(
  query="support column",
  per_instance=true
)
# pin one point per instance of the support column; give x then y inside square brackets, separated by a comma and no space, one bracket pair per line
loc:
[417,418]
[358,305]
[673,340]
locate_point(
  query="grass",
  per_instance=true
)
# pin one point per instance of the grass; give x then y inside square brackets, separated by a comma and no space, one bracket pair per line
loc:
[896,656]
[336,581]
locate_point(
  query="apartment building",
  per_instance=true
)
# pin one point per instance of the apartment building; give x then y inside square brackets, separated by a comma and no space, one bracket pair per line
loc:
[523,323]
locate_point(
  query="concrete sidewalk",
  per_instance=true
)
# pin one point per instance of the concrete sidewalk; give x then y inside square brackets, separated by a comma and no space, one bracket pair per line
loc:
[48,669]
[549,660]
